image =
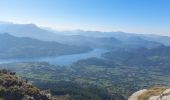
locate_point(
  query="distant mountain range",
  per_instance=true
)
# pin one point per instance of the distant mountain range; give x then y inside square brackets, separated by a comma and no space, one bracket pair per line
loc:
[29,40]
[81,38]
[24,47]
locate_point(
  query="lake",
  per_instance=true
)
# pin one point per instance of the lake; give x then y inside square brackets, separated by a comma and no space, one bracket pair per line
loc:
[60,60]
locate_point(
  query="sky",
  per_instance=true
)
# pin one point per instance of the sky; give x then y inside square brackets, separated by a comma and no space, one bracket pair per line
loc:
[135,16]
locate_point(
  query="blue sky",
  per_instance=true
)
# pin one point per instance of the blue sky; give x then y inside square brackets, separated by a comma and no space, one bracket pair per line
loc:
[137,16]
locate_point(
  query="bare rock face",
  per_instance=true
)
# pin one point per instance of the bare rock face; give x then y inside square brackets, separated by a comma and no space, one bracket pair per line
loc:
[164,96]
[155,93]
[136,94]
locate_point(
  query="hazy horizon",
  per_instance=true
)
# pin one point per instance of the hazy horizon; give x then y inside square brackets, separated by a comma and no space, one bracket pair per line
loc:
[76,30]
[93,15]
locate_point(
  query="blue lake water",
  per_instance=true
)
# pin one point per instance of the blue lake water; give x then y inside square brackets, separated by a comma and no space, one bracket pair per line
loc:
[61,60]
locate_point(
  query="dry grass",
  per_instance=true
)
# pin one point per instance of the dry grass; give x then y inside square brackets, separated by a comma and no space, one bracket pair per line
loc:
[155,91]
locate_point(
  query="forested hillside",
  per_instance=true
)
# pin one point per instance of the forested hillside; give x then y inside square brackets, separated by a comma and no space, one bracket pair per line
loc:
[119,73]
[24,47]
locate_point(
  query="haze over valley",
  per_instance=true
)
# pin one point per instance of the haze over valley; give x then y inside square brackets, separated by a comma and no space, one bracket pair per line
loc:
[84,50]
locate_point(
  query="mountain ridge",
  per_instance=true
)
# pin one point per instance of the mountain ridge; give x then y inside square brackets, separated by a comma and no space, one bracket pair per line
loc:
[25,47]
[34,31]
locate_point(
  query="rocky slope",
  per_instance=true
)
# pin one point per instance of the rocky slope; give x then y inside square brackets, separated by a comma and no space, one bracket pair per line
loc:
[155,93]
[13,87]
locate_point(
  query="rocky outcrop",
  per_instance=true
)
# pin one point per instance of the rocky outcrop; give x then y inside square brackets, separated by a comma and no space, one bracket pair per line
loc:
[164,96]
[136,94]
[13,87]
[155,93]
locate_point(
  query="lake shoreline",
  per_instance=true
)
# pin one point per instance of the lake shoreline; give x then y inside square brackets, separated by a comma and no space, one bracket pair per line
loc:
[59,60]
